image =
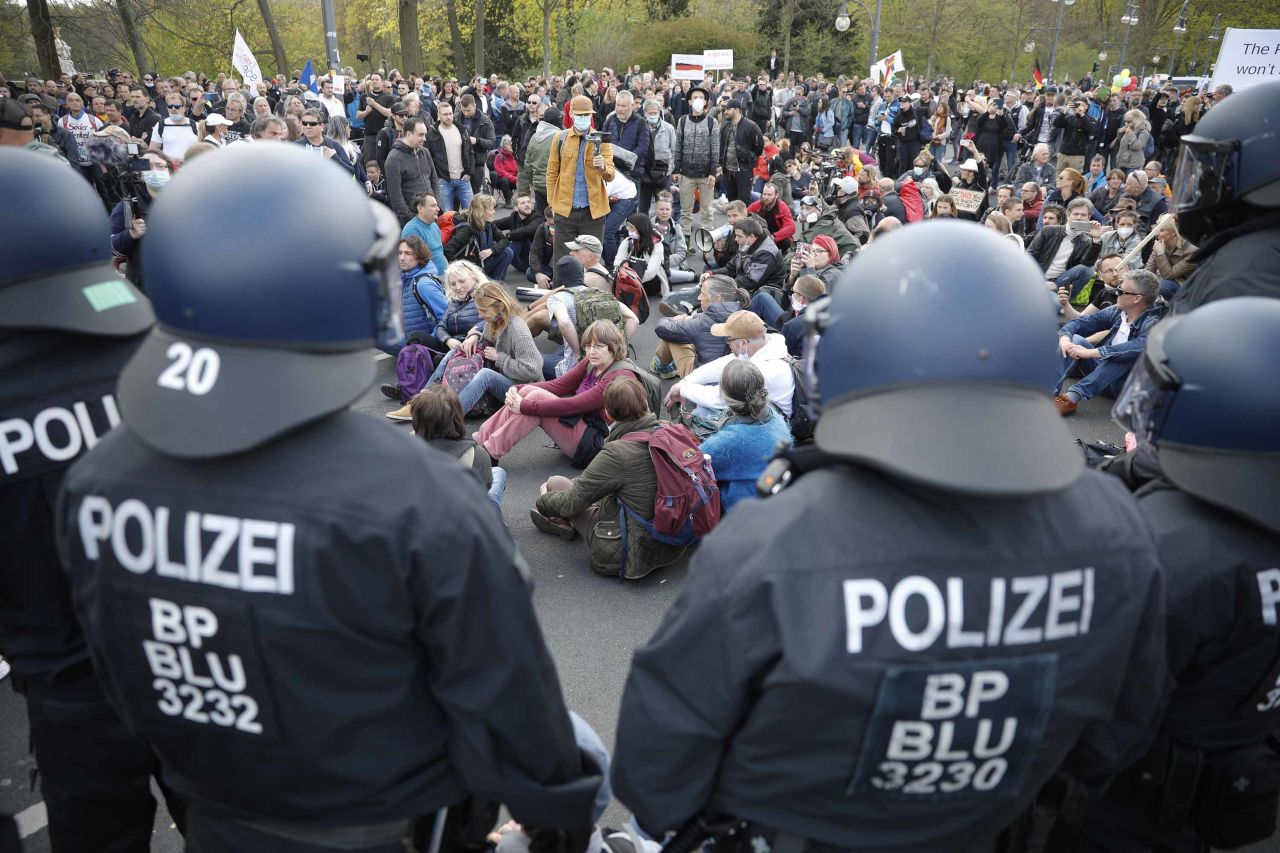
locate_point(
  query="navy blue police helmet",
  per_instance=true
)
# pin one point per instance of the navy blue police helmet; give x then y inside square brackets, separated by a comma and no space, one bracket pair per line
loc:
[56,270]
[252,343]
[1204,394]
[934,360]
[1228,167]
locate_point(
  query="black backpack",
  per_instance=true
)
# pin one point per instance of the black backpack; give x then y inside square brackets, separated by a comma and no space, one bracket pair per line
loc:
[802,421]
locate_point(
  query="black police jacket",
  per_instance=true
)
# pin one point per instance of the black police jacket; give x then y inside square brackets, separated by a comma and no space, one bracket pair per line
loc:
[56,401]
[305,633]
[1222,596]
[903,670]
[1239,262]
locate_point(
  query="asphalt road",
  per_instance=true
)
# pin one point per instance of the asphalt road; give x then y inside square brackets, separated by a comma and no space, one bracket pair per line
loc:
[591,623]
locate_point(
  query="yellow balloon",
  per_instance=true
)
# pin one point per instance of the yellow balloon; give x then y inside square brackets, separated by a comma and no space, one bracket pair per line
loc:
[1125,74]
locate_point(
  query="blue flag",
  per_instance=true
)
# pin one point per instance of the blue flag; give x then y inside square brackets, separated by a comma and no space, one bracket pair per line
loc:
[308,78]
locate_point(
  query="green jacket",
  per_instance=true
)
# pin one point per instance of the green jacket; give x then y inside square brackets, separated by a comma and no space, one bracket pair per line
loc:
[828,223]
[537,152]
[622,471]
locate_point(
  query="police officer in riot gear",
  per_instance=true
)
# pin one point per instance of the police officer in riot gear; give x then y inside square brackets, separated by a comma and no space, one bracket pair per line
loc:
[68,323]
[1227,197]
[318,650]
[1204,395]
[901,648]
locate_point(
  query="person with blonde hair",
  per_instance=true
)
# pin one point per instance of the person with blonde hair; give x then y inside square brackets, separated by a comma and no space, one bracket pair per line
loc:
[569,408]
[476,239]
[1170,256]
[1131,140]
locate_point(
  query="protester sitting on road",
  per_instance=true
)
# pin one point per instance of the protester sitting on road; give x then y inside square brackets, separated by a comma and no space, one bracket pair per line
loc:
[818,219]
[570,408]
[1105,367]
[758,263]
[1085,290]
[475,238]
[1104,198]
[503,339]
[776,215]
[573,307]
[821,258]
[1058,248]
[1052,214]
[620,473]
[422,292]
[944,207]
[437,419]
[667,226]
[685,340]
[1170,258]
[1000,224]
[972,177]
[541,250]
[1071,185]
[459,317]
[1124,238]
[806,290]
[646,255]
[586,250]
[742,447]
[747,338]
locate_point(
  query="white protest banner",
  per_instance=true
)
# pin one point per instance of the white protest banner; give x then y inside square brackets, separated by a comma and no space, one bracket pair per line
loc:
[339,83]
[718,60]
[884,70]
[967,201]
[1247,57]
[688,66]
[243,60]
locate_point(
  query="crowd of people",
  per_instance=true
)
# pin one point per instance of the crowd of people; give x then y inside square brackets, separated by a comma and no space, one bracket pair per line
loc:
[604,191]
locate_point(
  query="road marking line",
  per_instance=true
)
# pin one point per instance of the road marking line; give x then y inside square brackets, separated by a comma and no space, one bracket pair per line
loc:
[32,820]
[380,356]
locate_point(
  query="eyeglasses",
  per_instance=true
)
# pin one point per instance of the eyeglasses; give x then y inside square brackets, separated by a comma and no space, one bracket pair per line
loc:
[1120,292]
[175,106]
[311,124]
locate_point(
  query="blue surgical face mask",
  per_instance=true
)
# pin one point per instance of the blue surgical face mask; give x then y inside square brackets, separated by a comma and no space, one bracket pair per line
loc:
[582,123]
[653,120]
[156,180]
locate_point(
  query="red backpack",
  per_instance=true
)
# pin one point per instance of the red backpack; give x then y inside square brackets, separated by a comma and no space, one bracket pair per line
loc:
[629,290]
[445,221]
[687,504]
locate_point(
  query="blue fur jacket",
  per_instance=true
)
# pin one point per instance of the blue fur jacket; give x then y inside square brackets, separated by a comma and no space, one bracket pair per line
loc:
[740,451]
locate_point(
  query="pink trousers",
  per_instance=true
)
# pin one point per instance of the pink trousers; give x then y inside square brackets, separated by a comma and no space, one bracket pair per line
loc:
[505,429]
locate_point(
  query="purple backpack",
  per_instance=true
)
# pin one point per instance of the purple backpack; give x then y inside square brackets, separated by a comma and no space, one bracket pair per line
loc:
[460,371]
[414,367]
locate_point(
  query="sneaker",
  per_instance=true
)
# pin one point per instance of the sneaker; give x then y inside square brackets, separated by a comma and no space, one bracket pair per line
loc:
[552,526]
[400,414]
[677,309]
[392,391]
[4,668]
[663,371]
[1065,405]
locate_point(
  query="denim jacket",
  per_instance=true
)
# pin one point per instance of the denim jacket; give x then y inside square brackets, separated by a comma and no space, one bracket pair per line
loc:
[1111,318]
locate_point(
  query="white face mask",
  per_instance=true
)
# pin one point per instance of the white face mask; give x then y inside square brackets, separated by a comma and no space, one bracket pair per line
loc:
[697,105]
[1125,233]
[581,123]
[811,217]
[633,236]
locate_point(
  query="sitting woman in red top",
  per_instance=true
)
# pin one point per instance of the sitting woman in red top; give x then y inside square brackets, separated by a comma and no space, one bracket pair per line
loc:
[569,408]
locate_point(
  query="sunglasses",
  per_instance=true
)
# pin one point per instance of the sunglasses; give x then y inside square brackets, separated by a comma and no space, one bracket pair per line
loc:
[311,124]
[175,106]
[1127,292]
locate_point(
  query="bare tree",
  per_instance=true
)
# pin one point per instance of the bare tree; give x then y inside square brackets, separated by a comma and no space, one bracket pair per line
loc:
[133,36]
[410,46]
[478,38]
[42,33]
[277,46]
[548,8]
[787,17]
[455,34]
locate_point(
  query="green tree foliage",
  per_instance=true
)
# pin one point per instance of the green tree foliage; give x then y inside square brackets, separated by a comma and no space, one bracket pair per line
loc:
[652,44]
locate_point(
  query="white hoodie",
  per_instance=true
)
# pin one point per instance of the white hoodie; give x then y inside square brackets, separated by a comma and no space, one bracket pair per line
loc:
[702,386]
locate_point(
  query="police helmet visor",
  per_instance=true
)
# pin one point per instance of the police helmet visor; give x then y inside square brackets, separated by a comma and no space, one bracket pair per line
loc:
[1205,173]
[1144,403]
[381,264]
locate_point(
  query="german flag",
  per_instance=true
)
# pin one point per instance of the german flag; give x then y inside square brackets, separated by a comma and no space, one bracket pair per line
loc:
[1035,72]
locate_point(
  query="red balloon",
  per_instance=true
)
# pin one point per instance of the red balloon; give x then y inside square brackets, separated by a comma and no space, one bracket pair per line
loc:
[1132,84]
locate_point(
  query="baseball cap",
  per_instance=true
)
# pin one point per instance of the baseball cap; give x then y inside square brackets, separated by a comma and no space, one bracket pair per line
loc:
[581,105]
[116,132]
[217,119]
[15,116]
[399,109]
[587,242]
[847,185]
[740,324]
